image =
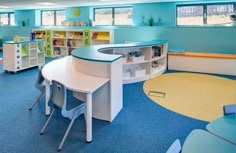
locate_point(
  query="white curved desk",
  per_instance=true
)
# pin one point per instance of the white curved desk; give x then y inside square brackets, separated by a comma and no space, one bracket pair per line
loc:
[62,70]
[98,75]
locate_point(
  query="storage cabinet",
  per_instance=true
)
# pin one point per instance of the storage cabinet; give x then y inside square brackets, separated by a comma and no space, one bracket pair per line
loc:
[62,42]
[22,55]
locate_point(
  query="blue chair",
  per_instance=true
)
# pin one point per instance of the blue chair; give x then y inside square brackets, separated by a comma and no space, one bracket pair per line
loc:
[229,109]
[175,147]
[59,100]
[40,86]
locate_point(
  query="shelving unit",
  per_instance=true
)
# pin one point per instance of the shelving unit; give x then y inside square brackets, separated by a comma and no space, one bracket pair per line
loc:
[74,40]
[141,63]
[22,55]
[101,37]
[159,60]
[62,42]
[59,43]
[40,34]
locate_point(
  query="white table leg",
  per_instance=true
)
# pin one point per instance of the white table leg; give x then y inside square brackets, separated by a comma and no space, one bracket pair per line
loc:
[47,96]
[89,117]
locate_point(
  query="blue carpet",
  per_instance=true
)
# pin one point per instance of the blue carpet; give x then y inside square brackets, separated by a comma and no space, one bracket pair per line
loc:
[141,127]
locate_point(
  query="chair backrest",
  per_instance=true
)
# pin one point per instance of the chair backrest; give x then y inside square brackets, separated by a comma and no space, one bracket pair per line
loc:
[39,82]
[58,94]
[175,147]
[229,109]
[63,99]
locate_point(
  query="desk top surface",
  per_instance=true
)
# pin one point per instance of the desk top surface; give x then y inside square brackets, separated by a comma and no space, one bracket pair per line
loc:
[92,53]
[200,141]
[62,70]
[224,127]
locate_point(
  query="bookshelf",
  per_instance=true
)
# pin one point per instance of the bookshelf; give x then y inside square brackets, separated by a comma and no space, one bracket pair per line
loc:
[143,62]
[22,55]
[61,42]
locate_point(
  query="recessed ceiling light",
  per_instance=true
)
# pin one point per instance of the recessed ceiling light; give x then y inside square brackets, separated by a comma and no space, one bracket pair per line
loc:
[4,6]
[46,3]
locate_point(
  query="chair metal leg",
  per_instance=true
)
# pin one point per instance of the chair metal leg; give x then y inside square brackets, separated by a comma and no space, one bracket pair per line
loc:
[36,101]
[66,134]
[46,124]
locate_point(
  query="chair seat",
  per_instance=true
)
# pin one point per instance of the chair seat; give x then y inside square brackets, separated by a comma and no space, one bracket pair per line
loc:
[63,99]
[175,147]
[229,109]
[72,102]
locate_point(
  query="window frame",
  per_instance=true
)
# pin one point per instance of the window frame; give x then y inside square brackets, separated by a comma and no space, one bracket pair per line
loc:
[54,16]
[204,5]
[8,16]
[113,14]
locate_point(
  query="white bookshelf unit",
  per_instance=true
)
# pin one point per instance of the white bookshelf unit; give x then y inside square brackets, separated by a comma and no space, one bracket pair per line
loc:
[142,62]
[60,42]
[74,40]
[22,55]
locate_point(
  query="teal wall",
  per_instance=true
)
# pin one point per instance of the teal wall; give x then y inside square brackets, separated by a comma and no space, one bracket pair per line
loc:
[197,39]
[83,16]
[28,16]
[7,33]
[163,12]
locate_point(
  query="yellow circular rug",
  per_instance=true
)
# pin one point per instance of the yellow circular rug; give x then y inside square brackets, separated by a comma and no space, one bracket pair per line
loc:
[199,96]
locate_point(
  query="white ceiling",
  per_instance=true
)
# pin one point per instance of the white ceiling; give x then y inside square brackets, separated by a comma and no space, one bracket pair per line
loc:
[31,4]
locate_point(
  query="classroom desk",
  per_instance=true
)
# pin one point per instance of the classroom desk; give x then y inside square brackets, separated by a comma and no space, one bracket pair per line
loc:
[62,70]
[224,127]
[95,70]
[200,141]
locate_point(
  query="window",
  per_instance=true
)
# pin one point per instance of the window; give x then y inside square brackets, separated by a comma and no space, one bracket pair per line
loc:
[204,14]
[7,19]
[103,16]
[123,16]
[52,17]
[219,14]
[190,15]
[113,16]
